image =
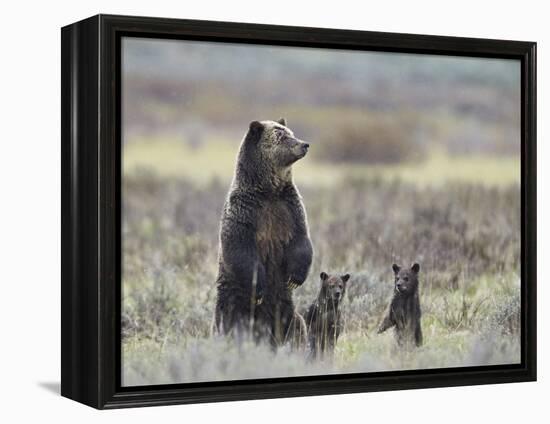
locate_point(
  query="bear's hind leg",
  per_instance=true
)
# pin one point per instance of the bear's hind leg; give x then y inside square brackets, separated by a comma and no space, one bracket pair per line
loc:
[232,315]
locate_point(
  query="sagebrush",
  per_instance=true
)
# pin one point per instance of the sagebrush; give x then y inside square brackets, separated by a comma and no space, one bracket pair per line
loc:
[466,238]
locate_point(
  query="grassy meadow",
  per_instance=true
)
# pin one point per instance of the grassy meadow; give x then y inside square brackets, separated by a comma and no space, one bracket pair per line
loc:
[172,157]
[413,158]
[464,232]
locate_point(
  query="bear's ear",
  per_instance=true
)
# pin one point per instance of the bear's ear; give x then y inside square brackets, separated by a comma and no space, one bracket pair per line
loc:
[256,126]
[255,131]
[345,278]
[323,276]
[281,121]
[396,268]
[415,268]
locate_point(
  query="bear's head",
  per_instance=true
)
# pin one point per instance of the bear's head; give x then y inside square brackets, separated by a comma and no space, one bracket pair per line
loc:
[333,287]
[406,279]
[274,143]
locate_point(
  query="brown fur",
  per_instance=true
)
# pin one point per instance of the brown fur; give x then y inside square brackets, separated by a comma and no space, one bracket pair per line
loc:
[324,318]
[265,250]
[404,313]
[275,229]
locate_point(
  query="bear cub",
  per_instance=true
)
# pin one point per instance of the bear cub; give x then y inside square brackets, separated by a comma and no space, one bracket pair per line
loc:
[323,318]
[404,310]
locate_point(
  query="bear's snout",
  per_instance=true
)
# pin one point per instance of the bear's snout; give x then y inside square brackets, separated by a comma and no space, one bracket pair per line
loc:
[301,148]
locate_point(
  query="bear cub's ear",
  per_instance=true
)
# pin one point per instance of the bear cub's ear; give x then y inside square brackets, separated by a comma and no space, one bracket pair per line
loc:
[415,268]
[323,276]
[345,278]
[281,121]
[396,268]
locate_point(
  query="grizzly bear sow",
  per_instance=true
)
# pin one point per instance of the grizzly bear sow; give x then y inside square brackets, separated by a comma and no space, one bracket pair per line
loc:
[265,250]
[404,311]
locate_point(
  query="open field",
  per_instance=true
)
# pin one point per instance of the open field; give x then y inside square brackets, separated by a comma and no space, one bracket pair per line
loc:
[169,157]
[412,158]
[464,235]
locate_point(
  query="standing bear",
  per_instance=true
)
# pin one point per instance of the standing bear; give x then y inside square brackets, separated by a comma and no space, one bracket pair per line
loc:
[324,316]
[404,312]
[265,251]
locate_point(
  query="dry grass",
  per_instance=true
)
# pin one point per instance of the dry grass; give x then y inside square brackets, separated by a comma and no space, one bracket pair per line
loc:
[466,238]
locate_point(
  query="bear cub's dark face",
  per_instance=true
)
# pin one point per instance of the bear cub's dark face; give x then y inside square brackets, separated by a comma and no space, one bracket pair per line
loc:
[278,144]
[333,287]
[406,280]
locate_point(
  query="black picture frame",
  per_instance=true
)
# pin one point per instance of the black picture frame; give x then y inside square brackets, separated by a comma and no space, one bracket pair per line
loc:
[91,206]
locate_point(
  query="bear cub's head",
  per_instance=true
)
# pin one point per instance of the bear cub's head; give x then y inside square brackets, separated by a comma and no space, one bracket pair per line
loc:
[333,287]
[275,143]
[406,279]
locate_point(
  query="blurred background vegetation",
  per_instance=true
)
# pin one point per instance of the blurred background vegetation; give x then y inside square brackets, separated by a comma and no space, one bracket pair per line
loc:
[413,158]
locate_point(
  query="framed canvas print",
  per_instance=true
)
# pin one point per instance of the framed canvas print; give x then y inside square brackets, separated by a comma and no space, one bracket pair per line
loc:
[253,211]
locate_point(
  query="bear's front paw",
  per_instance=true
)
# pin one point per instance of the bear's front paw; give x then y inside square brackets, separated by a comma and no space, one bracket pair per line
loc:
[294,284]
[259,296]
